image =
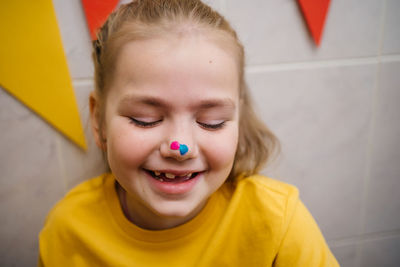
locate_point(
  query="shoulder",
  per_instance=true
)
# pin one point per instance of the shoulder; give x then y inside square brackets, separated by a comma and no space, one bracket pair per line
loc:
[84,193]
[75,219]
[266,190]
[269,184]
[88,188]
[273,203]
[77,204]
[298,239]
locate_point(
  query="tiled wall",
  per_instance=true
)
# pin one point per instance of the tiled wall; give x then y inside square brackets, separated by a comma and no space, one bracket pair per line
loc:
[335,109]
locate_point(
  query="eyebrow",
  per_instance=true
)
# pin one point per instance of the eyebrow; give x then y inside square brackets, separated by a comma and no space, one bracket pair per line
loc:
[159,102]
[147,100]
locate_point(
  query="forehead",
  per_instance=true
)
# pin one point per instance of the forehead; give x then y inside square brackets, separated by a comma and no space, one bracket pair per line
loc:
[190,66]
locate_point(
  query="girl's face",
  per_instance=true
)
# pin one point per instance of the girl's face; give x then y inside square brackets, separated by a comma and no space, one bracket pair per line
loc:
[164,90]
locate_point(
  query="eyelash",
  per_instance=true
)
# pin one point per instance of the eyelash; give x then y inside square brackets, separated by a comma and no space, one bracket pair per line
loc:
[143,123]
[212,126]
[153,123]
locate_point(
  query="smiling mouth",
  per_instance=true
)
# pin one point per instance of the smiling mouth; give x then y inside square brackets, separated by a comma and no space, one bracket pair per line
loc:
[171,178]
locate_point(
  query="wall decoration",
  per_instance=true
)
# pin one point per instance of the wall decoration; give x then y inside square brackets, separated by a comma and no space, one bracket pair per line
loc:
[33,67]
[96,13]
[315,12]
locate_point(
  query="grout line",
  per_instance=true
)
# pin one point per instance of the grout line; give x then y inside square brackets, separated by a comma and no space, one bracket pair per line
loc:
[371,132]
[363,238]
[322,63]
[382,28]
[368,159]
[312,64]
[390,58]
[290,66]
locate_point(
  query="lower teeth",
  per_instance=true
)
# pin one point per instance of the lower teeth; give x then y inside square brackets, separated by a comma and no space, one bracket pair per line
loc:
[182,179]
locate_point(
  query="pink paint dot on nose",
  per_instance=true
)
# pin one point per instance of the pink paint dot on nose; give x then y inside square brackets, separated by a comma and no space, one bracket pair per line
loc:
[175,145]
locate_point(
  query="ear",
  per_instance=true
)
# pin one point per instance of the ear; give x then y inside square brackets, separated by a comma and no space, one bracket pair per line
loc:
[95,119]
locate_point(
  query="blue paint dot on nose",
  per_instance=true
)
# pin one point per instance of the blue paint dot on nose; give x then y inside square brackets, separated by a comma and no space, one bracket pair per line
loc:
[183,149]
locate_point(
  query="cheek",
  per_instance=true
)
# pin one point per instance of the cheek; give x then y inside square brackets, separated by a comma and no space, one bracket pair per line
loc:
[221,151]
[125,145]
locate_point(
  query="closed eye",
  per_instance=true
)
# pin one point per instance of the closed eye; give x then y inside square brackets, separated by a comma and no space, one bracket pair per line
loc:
[214,126]
[144,124]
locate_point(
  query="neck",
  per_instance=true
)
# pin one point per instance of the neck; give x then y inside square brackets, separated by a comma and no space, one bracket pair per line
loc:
[146,219]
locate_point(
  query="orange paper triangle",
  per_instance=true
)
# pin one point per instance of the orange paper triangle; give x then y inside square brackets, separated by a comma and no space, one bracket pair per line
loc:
[315,12]
[97,12]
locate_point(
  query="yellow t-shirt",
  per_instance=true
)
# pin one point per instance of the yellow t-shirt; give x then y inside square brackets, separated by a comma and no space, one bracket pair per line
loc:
[260,222]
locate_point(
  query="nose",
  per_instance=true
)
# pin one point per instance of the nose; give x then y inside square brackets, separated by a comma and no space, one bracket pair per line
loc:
[179,144]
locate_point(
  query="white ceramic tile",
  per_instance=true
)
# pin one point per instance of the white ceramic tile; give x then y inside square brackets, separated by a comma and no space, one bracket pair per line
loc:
[383,252]
[391,43]
[345,254]
[322,118]
[79,165]
[275,31]
[76,38]
[30,183]
[23,212]
[216,5]
[27,147]
[383,203]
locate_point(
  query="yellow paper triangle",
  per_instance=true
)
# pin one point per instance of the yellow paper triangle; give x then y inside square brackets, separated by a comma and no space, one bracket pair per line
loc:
[33,66]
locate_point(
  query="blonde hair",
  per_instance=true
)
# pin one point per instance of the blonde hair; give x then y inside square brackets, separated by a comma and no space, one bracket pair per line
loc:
[144,19]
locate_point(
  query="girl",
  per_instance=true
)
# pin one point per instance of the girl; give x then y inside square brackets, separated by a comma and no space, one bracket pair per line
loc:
[172,114]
